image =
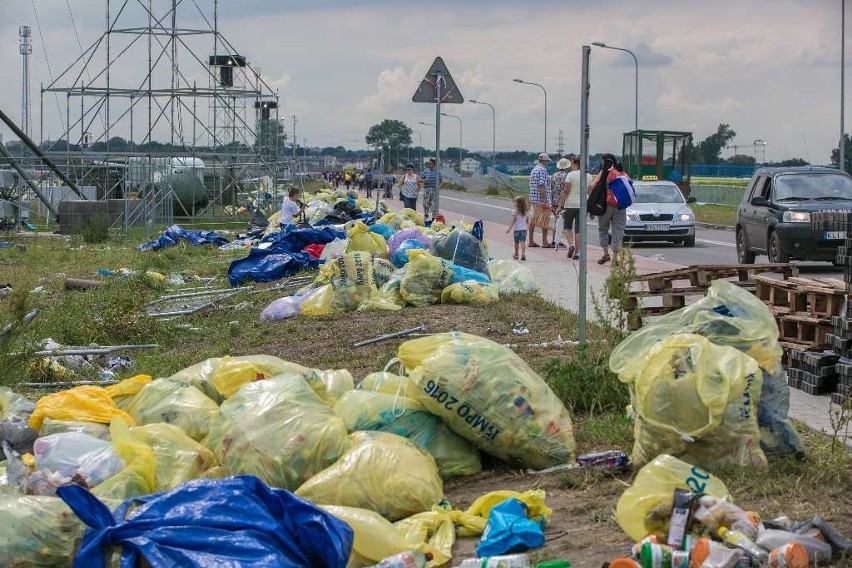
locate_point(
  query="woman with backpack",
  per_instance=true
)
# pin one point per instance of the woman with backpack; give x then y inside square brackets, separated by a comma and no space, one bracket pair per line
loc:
[609,197]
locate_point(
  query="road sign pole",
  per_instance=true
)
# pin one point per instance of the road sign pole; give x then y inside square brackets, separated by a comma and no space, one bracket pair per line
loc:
[584,159]
[439,79]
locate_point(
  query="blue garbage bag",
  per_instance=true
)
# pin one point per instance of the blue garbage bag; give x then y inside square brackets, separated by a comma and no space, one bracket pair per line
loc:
[478,230]
[460,274]
[509,530]
[400,255]
[173,234]
[265,265]
[236,522]
[383,229]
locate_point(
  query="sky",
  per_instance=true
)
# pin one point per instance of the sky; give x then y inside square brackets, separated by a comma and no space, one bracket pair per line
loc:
[769,68]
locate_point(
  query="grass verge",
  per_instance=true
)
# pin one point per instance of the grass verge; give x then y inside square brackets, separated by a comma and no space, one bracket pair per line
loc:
[715,214]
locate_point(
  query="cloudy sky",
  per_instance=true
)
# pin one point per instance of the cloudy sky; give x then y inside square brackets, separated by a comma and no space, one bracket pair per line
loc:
[769,68]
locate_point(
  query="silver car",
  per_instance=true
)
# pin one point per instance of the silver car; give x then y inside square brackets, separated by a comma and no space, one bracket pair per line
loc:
[660,213]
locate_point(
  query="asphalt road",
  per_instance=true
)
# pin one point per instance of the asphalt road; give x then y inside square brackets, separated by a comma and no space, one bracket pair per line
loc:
[712,246]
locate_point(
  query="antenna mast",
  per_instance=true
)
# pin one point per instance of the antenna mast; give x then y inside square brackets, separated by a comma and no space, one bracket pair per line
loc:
[26,48]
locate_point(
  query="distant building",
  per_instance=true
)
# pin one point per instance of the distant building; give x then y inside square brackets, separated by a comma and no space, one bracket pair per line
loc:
[330,162]
[470,166]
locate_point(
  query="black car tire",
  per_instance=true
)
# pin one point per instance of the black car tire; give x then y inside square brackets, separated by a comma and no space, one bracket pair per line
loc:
[775,252]
[744,256]
[689,242]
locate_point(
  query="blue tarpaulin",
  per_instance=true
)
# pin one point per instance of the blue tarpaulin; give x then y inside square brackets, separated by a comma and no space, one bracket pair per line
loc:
[236,522]
[265,265]
[295,239]
[173,234]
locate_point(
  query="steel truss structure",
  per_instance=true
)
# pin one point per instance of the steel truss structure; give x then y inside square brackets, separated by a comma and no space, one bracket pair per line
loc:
[194,91]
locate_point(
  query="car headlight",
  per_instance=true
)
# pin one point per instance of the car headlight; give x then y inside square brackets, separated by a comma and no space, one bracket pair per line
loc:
[632,216]
[796,217]
[686,217]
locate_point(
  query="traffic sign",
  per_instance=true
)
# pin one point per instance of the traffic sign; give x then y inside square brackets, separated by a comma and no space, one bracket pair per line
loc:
[428,89]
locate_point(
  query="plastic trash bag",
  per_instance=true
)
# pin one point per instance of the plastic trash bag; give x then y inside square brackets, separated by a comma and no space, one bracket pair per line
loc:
[37,531]
[351,280]
[646,506]
[383,270]
[512,277]
[18,435]
[388,297]
[86,403]
[395,220]
[490,396]
[235,522]
[399,257]
[335,248]
[282,308]
[13,405]
[390,383]
[319,303]
[49,426]
[533,499]
[337,383]
[361,239]
[469,292]
[377,411]
[381,472]
[177,457]
[731,316]
[386,231]
[279,430]
[462,274]
[174,401]
[59,458]
[123,392]
[438,528]
[463,249]
[697,401]
[139,474]
[425,278]
[509,530]
[408,235]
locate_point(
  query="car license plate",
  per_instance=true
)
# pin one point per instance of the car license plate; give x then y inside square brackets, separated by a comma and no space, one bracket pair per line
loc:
[834,235]
[656,226]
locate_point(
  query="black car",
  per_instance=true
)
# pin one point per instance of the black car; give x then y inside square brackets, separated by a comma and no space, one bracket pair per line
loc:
[774,217]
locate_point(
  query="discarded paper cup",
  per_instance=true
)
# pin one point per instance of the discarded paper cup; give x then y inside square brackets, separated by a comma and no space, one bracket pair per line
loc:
[790,555]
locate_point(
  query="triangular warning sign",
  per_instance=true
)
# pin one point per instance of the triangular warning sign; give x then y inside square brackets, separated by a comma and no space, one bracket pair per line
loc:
[427,92]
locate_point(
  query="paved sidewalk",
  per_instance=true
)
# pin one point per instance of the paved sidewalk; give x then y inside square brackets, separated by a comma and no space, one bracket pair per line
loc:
[559,277]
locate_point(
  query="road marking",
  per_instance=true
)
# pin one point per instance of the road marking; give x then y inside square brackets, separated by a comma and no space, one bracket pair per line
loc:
[720,243]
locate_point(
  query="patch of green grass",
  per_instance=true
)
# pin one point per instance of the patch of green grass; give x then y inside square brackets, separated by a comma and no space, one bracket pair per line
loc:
[585,384]
[739,182]
[715,214]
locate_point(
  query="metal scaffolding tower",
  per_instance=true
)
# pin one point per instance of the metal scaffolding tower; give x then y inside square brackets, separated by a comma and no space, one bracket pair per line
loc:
[195,103]
[26,49]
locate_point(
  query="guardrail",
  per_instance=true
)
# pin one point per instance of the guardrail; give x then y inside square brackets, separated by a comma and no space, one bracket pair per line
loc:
[505,180]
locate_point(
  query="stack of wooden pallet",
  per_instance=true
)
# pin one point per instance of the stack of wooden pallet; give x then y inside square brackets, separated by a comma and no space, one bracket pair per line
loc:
[664,292]
[803,308]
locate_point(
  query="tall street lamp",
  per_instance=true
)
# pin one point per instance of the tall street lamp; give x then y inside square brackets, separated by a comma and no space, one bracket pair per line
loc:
[636,87]
[420,143]
[841,156]
[461,130]
[521,81]
[493,132]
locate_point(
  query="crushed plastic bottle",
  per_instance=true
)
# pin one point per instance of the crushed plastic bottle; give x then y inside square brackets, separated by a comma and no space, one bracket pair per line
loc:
[507,561]
[407,559]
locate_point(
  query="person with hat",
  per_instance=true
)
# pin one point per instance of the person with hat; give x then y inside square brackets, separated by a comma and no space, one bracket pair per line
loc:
[542,209]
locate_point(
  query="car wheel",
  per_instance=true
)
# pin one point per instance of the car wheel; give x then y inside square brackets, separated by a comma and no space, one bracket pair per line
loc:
[689,241]
[776,253]
[744,256]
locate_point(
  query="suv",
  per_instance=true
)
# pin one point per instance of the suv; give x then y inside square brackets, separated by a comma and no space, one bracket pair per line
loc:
[774,217]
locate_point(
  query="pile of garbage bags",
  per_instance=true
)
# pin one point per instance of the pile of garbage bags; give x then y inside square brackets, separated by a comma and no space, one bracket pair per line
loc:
[228,443]
[707,384]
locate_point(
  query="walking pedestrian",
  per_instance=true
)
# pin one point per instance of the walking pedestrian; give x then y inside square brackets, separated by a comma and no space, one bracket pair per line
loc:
[429,185]
[368,182]
[519,224]
[410,184]
[570,208]
[557,188]
[540,200]
[614,219]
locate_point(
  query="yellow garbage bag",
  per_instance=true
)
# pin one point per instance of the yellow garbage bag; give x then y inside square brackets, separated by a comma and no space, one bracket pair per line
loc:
[86,403]
[512,277]
[697,401]
[425,278]
[406,214]
[177,457]
[123,392]
[390,383]
[469,292]
[382,472]
[351,280]
[646,506]
[139,475]
[376,411]
[375,538]
[533,499]
[383,270]
[279,430]
[490,396]
[38,531]
[319,303]
[337,382]
[388,297]
[174,401]
[50,426]
[362,239]
[14,405]
[439,528]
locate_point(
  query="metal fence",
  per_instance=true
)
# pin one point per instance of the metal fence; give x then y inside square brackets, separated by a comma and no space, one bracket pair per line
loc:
[718,194]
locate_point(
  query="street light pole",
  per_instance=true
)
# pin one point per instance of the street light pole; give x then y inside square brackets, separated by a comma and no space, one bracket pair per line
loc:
[521,81]
[493,132]
[841,159]
[421,152]
[420,143]
[461,130]
[636,77]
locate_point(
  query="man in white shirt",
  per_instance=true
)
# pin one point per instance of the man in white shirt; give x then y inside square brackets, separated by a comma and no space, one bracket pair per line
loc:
[570,208]
[291,207]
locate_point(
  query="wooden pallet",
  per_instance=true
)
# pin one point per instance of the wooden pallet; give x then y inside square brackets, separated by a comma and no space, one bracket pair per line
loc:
[805,330]
[821,298]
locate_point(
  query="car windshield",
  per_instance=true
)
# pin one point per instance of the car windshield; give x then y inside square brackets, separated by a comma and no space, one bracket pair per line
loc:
[658,193]
[802,187]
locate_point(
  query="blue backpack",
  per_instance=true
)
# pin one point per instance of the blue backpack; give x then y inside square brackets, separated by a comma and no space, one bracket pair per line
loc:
[622,188]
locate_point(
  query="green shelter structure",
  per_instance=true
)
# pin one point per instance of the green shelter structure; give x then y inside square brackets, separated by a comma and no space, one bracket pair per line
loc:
[650,155]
